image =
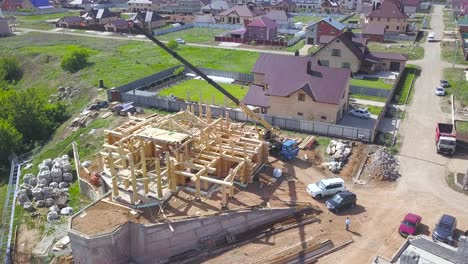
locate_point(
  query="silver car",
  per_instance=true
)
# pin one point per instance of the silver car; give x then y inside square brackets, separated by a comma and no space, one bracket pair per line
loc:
[362,113]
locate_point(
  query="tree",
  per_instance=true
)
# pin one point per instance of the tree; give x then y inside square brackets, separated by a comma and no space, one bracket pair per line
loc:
[10,69]
[75,60]
[172,44]
[10,141]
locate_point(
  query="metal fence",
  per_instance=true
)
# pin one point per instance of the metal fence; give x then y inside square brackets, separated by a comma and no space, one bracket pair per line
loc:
[147,81]
[215,25]
[389,36]
[163,31]
[369,91]
[238,76]
[304,126]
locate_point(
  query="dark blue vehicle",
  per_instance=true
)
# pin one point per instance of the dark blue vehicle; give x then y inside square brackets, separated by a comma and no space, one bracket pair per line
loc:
[445,229]
[287,150]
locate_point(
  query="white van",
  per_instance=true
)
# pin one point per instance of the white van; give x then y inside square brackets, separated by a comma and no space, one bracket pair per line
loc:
[431,37]
[326,187]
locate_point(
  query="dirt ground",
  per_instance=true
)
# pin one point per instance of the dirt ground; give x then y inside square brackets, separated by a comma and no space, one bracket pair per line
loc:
[25,244]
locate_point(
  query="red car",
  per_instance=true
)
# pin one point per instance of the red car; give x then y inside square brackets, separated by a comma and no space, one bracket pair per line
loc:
[409,225]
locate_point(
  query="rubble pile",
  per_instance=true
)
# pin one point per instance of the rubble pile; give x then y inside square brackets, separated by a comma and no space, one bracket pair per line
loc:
[339,151]
[383,165]
[67,92]
[49,188]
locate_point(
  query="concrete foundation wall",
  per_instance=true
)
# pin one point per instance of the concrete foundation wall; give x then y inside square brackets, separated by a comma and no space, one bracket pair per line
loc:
[157,243]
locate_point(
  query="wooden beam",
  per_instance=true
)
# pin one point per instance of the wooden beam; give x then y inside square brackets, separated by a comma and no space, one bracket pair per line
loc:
[115,189]
[134,185]
[203,178]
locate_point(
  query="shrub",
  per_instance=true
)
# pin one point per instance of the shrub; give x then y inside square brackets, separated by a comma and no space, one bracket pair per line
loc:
[10,69]
[75,60]
[179,71]
[172,44]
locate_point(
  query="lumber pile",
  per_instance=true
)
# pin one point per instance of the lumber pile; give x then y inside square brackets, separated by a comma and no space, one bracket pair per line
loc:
[86,117]
[307,143]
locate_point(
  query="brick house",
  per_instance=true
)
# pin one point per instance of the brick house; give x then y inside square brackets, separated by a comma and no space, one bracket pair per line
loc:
[389,15]
[286,6]
[216,7]
[99,16]
[330,6]
[119,25]
[262,29]
[149,20]
[240,14]
[296,87]
[350,51]
[280,17]
[325,27]
[375,32]
[70,22]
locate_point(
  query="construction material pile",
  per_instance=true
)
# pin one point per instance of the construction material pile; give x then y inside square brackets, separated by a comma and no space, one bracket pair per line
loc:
[67,92]
[383,165]
[49,188]
[339,151]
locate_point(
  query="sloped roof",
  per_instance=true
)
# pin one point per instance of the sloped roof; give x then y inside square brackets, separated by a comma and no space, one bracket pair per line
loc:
[330,3]
[287,2]
[278,15]
[243,11]
[351,41]
[204,19]
[72,19]
[99,13]
[374,29]
[330,21]
[147,16]
[387,9]
[411,2]
[120,23]
[263,22]
[218,5]
[148,2]
[257,96]
[286,74]
[205,2]
[386,56]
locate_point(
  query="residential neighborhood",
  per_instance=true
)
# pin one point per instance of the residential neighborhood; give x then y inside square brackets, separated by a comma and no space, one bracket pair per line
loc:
[234,131]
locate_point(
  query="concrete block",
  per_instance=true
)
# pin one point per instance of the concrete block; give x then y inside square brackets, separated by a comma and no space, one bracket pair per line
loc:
[186,226]
[183,238]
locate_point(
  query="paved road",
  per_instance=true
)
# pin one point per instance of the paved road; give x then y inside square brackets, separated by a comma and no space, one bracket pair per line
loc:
[142,38]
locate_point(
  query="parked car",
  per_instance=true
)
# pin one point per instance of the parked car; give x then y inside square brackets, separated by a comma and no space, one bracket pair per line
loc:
[180,41]
[431,37]
[326,187]
[362,113]
[445,229]
[341,201]
[444,83]
[440,91]
[409,225]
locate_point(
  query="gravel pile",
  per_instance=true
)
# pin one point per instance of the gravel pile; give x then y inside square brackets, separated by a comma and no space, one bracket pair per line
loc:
[339,151]
[49,188]
[383,166]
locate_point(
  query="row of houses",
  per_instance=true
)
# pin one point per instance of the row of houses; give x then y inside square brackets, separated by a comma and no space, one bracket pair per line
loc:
[316,87]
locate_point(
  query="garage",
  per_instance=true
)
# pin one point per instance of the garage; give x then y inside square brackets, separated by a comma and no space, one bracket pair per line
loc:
[395,66]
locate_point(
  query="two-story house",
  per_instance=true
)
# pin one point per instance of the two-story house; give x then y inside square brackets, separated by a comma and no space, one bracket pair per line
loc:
[240,14]
[99,17]
[330,6]
[281,17]
[323,30]
[216,7]
[389,15]
[350,51]
[148,20]
[297,87]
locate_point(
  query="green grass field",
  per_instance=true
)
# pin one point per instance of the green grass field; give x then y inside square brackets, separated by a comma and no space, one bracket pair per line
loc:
[40,21]
[450,54]
[296,46]
[449,22]
[368,97]
[354,19]
[456,77]
[415,53]
[194,35]
[375,83]
[194,87]
[461,126]
[306,19]
[403,89]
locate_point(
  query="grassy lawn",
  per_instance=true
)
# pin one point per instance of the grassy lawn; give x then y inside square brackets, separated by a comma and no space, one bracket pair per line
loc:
[461,126]
[40,21]
[306,19]
[415,52]
[403,88]
[368,97]
[3,190]
[449,22]
[374,110]
[194,35]
[374,83]
[353,19]
[449,53]
[296,46]
[194,87]
[456,77]
[419,18]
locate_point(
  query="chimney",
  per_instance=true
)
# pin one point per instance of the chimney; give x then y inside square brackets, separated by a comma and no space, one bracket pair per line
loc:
[296,53]
[309,67]
[329,19]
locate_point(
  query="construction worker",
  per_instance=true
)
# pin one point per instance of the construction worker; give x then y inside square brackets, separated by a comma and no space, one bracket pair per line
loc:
[347,223]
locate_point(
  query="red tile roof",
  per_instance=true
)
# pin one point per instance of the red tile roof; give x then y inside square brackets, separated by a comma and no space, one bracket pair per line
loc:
[263,22]
[387,9]
[243,11]
[286,74]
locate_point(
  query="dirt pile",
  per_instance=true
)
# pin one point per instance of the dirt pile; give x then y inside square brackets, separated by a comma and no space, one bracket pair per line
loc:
[383,166]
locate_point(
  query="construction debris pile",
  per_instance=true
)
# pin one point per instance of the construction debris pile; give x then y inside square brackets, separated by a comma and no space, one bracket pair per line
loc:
[383,165]
[49,188]
[89,114]
[339,151]
[66,92]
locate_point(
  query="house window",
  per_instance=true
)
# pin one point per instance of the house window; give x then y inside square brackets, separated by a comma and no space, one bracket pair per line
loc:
[332,31]
[346,65]
[336,52]
[301,97]
[324,63]
[263,110]
[300,114]
[397,27]
[323,118]
[386,27]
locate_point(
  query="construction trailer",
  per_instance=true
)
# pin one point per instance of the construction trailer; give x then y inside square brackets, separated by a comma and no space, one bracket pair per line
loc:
[145,160]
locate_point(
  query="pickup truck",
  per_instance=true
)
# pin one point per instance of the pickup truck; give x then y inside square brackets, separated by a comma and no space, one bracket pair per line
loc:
[448,140]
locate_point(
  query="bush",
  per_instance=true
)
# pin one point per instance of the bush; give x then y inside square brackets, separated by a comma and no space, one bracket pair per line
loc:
[172,44]
[10,69]
[75,60]
[179,71]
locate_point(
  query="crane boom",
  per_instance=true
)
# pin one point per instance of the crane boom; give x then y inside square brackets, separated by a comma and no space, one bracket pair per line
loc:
[218,87]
